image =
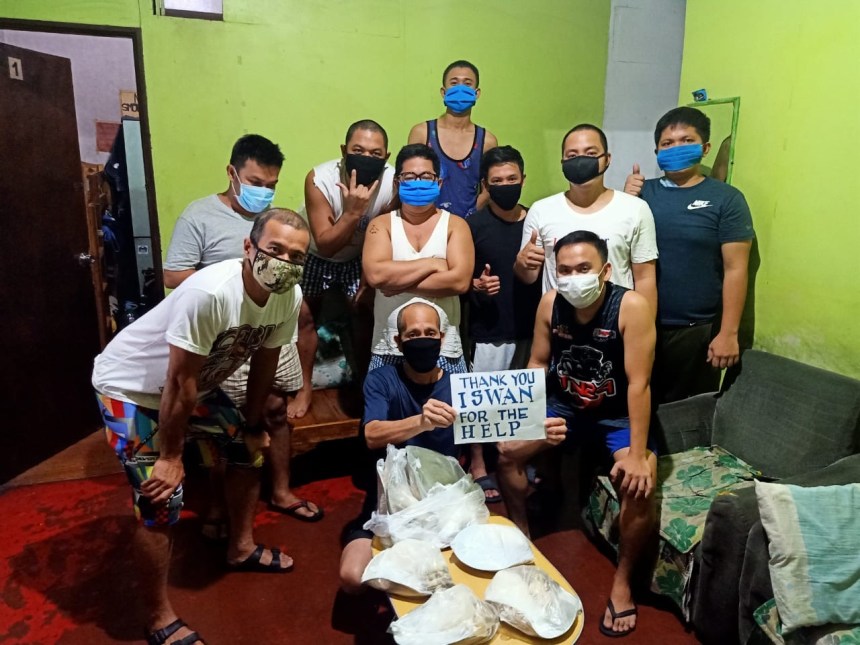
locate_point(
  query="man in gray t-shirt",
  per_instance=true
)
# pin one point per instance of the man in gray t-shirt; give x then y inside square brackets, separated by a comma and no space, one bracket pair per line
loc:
[206,233]
[210,230]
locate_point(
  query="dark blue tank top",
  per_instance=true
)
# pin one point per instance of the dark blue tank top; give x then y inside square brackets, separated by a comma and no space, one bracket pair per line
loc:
[461,178]
[586,369]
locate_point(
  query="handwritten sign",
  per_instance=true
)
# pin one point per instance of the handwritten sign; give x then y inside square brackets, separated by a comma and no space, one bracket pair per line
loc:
[499,406]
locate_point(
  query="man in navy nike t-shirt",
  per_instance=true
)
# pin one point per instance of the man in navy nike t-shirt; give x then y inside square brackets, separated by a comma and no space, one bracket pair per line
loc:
[704,235]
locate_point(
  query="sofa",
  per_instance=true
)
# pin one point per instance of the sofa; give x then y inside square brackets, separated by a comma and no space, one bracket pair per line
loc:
[780,420]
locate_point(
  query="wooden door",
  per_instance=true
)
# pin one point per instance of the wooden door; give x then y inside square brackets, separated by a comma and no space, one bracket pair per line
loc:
[50,329]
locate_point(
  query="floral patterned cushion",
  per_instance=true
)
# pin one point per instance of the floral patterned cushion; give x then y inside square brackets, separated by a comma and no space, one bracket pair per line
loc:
[688,483]
[767,618]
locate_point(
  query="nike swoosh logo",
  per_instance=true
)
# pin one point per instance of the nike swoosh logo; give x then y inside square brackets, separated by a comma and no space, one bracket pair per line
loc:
[695,207]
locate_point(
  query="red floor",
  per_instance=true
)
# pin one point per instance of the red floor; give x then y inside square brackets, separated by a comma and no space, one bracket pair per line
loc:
[64,566]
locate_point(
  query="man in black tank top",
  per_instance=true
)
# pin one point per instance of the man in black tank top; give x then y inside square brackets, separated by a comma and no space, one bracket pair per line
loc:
[596,341]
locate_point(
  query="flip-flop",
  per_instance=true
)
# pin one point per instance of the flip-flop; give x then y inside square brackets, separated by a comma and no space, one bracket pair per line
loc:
[160,636]
[292,511]
[487,483]
[608,631]
[252,562]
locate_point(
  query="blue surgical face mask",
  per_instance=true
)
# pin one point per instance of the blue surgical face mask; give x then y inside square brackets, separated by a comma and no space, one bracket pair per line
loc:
[254,199]
[460,98]
[418,192]
[679,157]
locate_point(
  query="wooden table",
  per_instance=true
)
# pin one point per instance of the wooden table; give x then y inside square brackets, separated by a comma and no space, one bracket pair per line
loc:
[478,581]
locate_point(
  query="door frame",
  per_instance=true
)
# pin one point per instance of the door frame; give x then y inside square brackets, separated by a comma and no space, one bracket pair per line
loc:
[135,34]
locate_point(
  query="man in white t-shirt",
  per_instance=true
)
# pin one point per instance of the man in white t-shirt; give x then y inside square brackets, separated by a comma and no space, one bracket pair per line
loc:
[341,197]
[213,229]
[624,222]
[157,388]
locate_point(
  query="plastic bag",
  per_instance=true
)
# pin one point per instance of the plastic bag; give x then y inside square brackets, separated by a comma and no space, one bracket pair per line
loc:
[428,467]
[424,495]
[491,547]
[407,475]
[410,568]
[437,519]
[395,492]
[531,601]
[455,615]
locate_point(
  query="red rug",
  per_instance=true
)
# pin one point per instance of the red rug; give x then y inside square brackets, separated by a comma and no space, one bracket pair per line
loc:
[65,565]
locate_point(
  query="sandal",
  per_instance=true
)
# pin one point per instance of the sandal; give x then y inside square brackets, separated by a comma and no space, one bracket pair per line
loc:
[252,562]
[487,484]
[160,636]
[292,511]
[215,531]
[608,631]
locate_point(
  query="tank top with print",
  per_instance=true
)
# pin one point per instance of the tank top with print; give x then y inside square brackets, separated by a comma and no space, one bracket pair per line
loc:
[586,369]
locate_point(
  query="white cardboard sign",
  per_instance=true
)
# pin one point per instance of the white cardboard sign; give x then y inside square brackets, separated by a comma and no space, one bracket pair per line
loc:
[499,406]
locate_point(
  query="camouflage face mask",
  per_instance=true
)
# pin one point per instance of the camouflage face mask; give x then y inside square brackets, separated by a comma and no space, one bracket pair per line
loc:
[274,274]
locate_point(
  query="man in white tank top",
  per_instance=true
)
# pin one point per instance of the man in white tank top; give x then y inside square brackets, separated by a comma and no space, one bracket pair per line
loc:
[421,251]
[341,197]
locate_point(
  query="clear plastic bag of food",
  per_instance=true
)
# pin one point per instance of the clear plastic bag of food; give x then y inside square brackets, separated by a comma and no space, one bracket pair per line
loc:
[530,600]
[406,475]
[410,568]
[437,519]
[454,615]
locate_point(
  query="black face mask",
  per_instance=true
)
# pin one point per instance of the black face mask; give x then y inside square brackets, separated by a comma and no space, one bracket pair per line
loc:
[367,169]
[422,353]
[581,169]
[505,196]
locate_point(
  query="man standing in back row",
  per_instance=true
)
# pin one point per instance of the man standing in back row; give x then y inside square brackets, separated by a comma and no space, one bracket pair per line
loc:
[457,140]
[588,205]
[704,234]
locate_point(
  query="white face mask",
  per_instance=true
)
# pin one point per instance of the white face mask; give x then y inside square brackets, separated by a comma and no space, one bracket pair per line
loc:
[581,290]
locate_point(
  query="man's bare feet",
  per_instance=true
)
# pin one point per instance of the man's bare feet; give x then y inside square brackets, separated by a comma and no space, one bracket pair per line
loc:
[299,406]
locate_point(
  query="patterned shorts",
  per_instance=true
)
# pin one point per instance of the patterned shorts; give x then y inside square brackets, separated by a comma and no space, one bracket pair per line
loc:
[288,376]
[450,365]
[320,275]
[132,432]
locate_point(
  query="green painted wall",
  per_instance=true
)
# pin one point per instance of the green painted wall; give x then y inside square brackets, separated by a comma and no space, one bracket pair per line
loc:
[794,65]
[300,72]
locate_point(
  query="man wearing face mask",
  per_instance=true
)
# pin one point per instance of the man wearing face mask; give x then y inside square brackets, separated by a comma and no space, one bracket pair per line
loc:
[595,339]
[457,140]
[501,307]
[418,250]
[209,231]
[405,405]
[704,234]
[341,197]
[626,224]
[157,384]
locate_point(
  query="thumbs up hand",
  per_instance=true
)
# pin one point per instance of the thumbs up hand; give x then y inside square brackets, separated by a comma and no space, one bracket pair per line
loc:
[531,257]
[634,182]
[487,282]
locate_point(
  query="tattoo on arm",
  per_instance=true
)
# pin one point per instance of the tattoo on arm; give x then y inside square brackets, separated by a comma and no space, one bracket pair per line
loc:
[374,229]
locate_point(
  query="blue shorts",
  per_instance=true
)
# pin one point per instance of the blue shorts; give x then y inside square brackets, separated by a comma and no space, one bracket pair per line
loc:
[614,433]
